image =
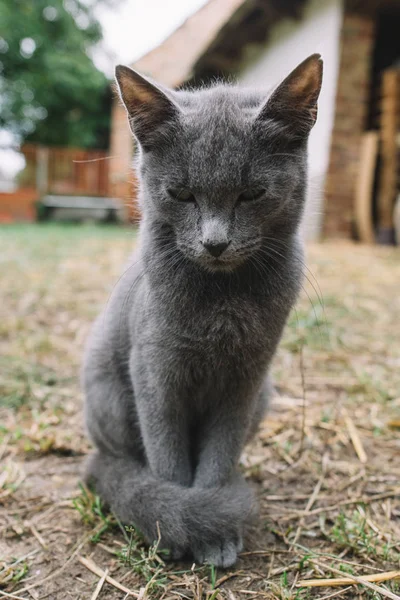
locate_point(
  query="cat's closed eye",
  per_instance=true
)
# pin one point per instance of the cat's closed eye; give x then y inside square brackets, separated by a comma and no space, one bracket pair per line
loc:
[181,195]
[251,195]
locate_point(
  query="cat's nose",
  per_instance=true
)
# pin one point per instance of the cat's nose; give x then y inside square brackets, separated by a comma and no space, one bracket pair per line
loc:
[216,248]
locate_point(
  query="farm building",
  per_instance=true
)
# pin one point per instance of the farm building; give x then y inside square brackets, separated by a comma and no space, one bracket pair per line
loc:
[258,42]
[353,147]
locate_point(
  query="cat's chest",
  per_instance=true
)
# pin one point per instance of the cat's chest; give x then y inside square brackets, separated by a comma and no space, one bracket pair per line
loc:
[207,349]
[232,322]
[226,325]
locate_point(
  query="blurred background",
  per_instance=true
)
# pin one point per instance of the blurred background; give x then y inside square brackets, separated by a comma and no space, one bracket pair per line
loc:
[65,148]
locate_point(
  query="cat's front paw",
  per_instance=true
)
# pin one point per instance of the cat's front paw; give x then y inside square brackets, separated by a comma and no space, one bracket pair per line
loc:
[220,553]
[174,553]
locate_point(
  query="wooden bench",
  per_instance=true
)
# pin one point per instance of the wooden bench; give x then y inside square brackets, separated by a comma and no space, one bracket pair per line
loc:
[80,208]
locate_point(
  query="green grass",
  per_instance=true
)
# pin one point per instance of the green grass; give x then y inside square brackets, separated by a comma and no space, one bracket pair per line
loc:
[283,590]
[353,531]
[314,323]
[49,243]
[55,280]
[370,387]
[147,562]
[14,572]
[47,230]
[93,513]
[19,380]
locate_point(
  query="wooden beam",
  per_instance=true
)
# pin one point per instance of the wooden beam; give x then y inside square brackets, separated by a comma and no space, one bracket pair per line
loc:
[42,170]
[365,186]
[388,171]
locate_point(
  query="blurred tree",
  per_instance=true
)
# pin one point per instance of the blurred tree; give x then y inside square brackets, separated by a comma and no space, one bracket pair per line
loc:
[50,90]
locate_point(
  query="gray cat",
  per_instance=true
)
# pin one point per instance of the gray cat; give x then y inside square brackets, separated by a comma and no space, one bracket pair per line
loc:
[175,374]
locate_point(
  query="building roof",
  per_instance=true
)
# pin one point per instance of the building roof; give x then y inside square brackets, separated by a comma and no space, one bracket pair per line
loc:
[172,61]
[211,42]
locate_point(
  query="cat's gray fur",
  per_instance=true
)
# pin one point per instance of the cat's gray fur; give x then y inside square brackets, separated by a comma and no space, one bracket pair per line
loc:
[175,374]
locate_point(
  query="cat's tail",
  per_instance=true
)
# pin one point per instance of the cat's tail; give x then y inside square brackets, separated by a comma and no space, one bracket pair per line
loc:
[205,523]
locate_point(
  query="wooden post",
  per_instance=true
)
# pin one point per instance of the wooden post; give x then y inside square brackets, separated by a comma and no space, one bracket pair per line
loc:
[42,170]
[388,171]
[365,186]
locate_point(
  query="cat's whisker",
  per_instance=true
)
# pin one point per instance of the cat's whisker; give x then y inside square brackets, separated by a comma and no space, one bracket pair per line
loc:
[125,303]
[131,266]
[317,320]
[292,155]
[304,289]
[319,293]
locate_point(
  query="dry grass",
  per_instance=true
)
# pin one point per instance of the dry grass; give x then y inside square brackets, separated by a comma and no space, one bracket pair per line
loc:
[325,465]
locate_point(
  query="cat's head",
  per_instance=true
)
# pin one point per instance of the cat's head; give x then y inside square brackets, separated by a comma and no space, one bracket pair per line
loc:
[223,168]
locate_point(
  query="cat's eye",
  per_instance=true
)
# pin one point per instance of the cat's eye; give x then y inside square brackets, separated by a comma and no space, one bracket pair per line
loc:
[181,195]
[250,195]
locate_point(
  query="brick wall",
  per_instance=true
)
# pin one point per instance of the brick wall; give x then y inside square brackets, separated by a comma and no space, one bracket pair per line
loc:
[18,205]
[353,89]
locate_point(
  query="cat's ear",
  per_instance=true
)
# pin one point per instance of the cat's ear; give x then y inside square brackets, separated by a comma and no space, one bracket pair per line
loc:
[149,108]
[295,101]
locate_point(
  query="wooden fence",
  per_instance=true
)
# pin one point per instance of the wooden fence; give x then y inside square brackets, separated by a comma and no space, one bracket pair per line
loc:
[66,170]
[63,171]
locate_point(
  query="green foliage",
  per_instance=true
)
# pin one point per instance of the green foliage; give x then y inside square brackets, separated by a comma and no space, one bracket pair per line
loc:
[50,90]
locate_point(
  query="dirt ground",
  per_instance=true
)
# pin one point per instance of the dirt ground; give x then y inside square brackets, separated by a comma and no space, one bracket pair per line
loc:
[325,465]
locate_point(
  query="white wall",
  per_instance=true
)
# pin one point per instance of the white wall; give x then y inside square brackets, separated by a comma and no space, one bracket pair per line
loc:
[289,43]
